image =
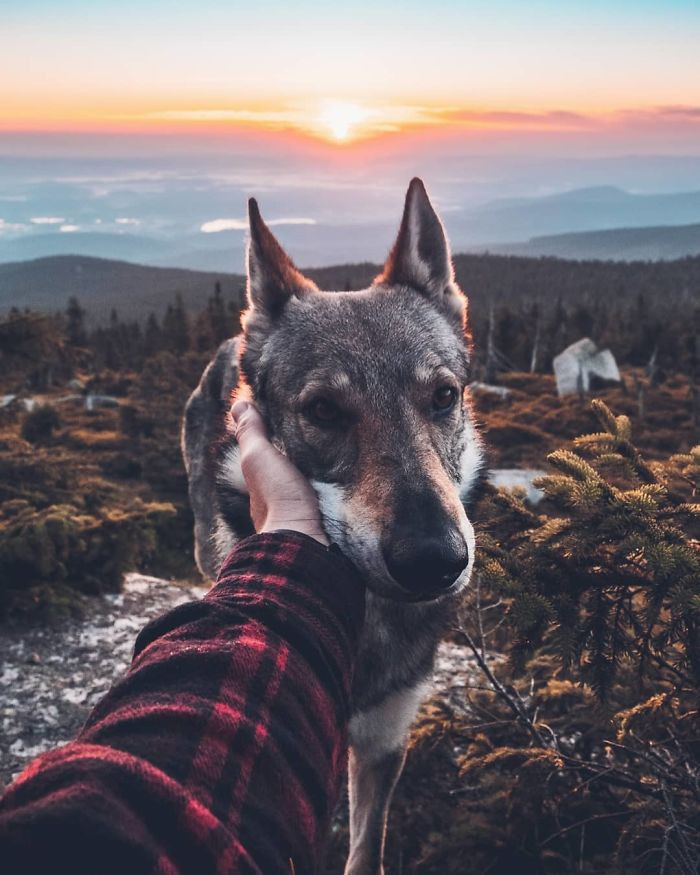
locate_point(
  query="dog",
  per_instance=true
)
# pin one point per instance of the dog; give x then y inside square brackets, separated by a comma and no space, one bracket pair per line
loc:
[366,392]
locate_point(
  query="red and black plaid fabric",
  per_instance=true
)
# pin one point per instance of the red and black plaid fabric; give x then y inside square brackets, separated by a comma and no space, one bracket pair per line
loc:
[223,748]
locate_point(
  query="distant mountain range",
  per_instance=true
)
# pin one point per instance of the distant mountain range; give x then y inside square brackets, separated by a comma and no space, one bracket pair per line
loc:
[545,224]
[620,244]
[220,252]
[597,208]
[140,249]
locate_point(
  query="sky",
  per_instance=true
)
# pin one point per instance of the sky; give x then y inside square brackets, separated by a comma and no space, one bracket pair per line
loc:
[348,72]
[138,128]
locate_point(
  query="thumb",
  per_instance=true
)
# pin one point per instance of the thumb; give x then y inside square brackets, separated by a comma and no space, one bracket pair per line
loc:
[249,424]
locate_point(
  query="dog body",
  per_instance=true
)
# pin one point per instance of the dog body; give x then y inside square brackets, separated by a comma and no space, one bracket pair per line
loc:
[366,394]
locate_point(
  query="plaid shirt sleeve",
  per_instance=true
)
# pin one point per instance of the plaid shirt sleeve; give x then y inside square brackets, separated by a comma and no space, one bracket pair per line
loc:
[223,748]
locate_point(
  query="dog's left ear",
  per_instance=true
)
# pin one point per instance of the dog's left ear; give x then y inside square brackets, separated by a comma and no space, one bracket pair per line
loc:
[272,276]
[421,255]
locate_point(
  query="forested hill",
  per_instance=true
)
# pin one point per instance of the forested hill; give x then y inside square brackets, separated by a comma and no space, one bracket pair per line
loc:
[508,279]
[134,290]
[101,285]
[514,280]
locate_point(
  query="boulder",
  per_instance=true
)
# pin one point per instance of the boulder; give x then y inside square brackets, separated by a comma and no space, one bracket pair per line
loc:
[93,402]
[581,365]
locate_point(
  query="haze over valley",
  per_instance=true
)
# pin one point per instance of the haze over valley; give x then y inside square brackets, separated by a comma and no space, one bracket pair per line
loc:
[189,211]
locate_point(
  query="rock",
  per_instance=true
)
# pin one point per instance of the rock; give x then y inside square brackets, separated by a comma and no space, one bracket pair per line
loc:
[66,398]
[93,402]
[501,391]
[75,697]
[580,364]
[9,675]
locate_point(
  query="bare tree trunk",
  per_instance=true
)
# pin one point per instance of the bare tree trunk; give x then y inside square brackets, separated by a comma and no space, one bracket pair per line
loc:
[653,368]
[490,375]
[535,349]
[639,386]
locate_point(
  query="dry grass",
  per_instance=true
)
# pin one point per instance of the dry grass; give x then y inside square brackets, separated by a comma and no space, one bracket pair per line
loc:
[533,421]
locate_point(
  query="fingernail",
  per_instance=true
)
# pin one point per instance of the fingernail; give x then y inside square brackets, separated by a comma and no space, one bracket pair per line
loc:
[238,409]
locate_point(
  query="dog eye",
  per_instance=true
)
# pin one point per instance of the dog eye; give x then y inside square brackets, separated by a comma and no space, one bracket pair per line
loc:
[323,411]
[444,399]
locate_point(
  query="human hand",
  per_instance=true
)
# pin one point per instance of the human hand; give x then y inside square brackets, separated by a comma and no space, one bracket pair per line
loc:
[280,496]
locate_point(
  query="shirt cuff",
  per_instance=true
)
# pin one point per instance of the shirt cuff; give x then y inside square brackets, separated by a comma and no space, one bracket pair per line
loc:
[287,561]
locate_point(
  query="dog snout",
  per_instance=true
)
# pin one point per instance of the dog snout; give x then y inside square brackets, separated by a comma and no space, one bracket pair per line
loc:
[426,566]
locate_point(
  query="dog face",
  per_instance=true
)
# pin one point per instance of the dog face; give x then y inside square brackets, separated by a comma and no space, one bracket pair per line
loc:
[366,393]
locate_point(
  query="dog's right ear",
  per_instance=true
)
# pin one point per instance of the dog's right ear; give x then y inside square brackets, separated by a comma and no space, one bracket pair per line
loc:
[272,277]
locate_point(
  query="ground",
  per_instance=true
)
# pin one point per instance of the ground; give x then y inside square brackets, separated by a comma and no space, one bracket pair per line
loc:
[52,675]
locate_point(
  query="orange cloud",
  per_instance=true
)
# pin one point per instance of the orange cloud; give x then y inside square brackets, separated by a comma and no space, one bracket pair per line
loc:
[348,121]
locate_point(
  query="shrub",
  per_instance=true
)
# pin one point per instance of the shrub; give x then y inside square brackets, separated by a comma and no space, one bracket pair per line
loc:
[135,421]
[590,758]
[65,547]
[40,424]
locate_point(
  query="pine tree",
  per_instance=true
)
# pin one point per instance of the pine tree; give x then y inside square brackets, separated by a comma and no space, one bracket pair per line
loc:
[76,335]
[218,321]
[616,556]
[176,331]
[33,347]
[153,336]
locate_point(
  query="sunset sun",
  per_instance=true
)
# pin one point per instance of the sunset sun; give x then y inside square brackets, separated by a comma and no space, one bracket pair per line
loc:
[339,120]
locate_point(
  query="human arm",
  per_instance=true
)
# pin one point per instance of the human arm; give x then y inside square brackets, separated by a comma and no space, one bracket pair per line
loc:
[223,748]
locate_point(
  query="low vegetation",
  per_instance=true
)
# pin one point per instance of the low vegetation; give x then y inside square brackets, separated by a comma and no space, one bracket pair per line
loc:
[570,740]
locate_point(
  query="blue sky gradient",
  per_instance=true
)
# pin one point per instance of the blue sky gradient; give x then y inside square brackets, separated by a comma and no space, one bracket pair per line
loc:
[498,53]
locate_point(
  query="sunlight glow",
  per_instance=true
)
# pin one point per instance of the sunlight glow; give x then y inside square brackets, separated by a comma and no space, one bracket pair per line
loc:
[340,120]
[335,121]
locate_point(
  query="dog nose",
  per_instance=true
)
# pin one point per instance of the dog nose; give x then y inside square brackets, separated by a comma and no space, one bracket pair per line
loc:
[427,567]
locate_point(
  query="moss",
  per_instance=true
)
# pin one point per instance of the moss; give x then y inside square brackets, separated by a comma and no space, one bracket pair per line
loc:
[62,546]
[44,602]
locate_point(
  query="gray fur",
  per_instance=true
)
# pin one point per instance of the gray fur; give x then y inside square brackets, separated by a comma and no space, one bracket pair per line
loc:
[378,353]
[203,428]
